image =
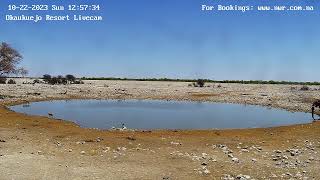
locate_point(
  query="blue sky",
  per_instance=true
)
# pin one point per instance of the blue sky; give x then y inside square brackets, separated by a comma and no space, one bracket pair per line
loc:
[172,38]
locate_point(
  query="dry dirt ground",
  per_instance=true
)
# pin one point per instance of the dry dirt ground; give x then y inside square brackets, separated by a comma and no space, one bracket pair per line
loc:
[33,147]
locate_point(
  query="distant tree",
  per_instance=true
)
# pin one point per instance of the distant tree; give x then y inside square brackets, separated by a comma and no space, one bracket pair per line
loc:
[61,80]
[46,78]
[304,88]
[11,81]
[200,82]
[54,80]
[3,80]
[9,59]
[70,78]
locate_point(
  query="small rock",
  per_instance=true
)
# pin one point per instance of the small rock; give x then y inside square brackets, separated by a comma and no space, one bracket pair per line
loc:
[175,143]
[227,177]
[288,174]
[106,149]
[206,171]
[204,164]
[298,175]
[243,177]
[244,150]
[273,176]
[204,155]
[236,160]
[278,151]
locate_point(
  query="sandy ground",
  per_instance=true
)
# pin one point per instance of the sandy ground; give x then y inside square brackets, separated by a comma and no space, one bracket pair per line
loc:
[34,147]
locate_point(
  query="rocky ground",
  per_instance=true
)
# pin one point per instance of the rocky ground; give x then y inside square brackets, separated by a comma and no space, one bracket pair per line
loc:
[34,147]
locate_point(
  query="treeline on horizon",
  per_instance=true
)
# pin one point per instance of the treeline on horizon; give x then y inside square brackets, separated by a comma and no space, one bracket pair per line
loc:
[205,80]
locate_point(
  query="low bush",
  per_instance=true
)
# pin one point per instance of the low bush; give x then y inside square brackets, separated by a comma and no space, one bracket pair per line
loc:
[71,78]
[11,81]
[304,88]
[62,80]
[200,82]
[53,80]
[46,78]
[3,80]
[78,82]
[36,81]
[68,79]
[293,88]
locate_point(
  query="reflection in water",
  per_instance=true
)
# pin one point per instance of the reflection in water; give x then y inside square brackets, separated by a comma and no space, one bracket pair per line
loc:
[26,105]
[154,114]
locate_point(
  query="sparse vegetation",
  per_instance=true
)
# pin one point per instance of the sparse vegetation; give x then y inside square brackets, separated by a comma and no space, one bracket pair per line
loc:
[36,81]
[293,88]
[78,82]
[54,80]
[3,80]
[68,79]
[304,88]
[206,80]
[200,82]
[61,80]
[46,78]
[11,81]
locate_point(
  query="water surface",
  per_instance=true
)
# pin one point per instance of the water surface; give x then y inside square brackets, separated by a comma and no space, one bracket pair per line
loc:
[156,114]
